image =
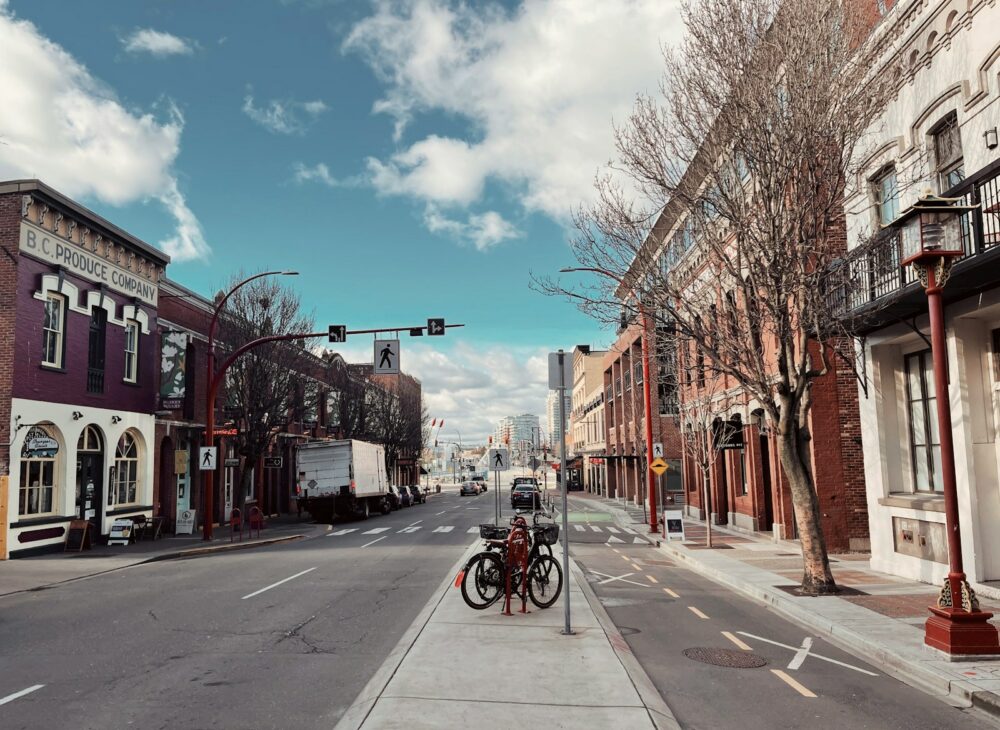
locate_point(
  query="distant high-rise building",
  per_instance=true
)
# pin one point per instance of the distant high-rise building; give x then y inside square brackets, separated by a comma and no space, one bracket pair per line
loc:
[523,432]
[552,413]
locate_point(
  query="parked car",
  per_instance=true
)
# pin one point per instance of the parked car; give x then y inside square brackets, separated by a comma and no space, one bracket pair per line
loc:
[480,481]
[526,495]
[468,488]
[523,480]
[405,500]
[417,495]
[392,497]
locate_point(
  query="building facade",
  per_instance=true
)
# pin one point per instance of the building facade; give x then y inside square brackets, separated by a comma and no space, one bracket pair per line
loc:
[79,393]
[587,418]
[938,135]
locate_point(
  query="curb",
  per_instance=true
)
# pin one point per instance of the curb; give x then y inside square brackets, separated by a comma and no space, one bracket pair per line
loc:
[659,712]
[199,551]
[356,715]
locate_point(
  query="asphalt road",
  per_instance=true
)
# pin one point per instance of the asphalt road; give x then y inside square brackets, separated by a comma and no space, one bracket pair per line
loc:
[278,637]
[663,609]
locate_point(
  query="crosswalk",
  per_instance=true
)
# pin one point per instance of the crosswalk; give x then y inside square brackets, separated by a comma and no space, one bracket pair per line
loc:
[615,534]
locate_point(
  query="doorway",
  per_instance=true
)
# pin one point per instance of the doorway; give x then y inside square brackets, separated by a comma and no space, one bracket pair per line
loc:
[765,463]
[90,477]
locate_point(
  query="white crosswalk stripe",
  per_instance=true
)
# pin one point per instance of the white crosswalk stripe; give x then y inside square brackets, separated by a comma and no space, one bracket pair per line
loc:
[376,530]
[612,530]
[472,530]
[638,541]
[614,539]
[412,528]
[595,528]
[578,528]
[444,528]
[342,532]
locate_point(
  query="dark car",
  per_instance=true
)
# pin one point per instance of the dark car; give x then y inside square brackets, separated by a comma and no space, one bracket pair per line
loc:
[526,495]
[404,497]
[392,497]
[468,488]
[416,494]
[523,480]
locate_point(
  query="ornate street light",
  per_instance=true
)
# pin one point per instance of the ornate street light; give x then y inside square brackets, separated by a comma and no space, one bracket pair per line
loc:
[930,239]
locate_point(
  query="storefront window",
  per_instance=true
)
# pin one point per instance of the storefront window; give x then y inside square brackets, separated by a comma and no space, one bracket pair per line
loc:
[925,442]
[125,486]
[52,330]
[38,470]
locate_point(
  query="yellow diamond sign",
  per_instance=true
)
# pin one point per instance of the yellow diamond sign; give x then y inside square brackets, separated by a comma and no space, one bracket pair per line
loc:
[659,466]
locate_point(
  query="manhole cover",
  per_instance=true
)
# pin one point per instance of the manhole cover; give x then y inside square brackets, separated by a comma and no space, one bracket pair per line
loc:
[725,657]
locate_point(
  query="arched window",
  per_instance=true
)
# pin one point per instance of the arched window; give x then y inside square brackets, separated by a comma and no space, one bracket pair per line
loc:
[38,472]
[124,489]
[90,440]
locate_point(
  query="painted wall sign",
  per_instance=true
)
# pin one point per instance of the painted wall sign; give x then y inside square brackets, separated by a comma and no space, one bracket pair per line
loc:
[173,353]
[56,250]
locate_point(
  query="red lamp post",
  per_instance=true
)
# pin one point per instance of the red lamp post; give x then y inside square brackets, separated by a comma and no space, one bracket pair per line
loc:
[931,240]
[646,396]
[208,491]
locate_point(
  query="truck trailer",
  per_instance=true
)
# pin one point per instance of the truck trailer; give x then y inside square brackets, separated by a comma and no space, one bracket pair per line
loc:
[346,478]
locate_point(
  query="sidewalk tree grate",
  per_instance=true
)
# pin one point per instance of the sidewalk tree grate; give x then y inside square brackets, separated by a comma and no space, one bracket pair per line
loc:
[725,657]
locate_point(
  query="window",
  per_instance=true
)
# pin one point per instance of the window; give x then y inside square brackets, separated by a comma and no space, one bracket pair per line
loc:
[950,166]
[53,320]
[124,486]
[925,444]
[743,472]
[38,470]
[131,351]
[885,189]
[95,352]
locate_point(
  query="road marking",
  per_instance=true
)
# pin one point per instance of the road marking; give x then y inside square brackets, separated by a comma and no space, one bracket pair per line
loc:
[275,585]
[736,640]
[342,532]
[440,513]
[22,693]
[792,683]
[376,531]
[578,528]
[696,612]
[472,507]
[636,568]
[671,593]
[638,541]
[818,656]
[626,558]
[444,528]
[614,540]
[612,530]
[411,528]
[801,654]
[414,523]
[595,528]
[651,579]
[622,578]
[374,541]
[617,550]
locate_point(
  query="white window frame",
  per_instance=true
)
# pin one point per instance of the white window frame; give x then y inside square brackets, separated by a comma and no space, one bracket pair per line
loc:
[877,183]
[25,489]
[58,333]
[132,356]
[127,476]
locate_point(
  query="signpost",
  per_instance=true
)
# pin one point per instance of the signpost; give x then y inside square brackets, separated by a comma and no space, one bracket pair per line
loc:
[498,461]
[207,457]
[561,372]
[386,357]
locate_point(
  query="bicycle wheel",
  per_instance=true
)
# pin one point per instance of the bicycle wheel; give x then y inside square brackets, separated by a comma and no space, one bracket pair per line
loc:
[544,581]
[482,584]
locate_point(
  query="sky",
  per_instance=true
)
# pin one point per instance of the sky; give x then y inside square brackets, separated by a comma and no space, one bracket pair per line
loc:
[410,158]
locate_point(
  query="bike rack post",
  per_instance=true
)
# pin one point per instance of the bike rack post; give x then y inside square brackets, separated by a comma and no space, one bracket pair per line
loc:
[255,519]
[517,554]
[235,519]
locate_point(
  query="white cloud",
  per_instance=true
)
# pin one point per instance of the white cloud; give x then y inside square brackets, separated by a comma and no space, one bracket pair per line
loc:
[284,116]
[472,387]
[483,230]
[318,173]
[62,125]
[157,43]
[539,86]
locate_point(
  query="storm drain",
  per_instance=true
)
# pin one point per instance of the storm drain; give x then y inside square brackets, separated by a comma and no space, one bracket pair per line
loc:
[725,657]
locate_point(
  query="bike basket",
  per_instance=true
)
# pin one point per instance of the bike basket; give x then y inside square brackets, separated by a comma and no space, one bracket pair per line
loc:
[493,532]
[547,534]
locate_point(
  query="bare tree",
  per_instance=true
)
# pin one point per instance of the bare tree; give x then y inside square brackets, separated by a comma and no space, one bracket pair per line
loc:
[265,387]
[397,418]
[723,213]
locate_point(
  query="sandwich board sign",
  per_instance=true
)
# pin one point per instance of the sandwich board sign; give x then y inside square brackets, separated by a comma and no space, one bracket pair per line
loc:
[499,459]
[386,357]
[674,520]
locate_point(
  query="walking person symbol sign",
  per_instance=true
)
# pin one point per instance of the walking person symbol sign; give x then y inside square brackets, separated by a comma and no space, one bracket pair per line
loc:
[499,459]
[386,357]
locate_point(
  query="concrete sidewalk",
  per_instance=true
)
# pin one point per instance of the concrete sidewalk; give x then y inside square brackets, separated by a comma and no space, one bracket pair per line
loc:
[43,571]
[457,667]
[882,618]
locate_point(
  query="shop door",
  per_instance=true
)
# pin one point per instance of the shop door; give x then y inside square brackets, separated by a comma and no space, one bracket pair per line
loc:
[90,478]
[765,462]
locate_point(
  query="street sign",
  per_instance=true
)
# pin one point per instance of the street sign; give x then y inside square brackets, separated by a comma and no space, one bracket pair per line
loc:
[416,332]
[386,357]
[435,326]
[273,462]
[659,466]
[657,451]
[206,457]
[338,333]
[499,459]
[560,361]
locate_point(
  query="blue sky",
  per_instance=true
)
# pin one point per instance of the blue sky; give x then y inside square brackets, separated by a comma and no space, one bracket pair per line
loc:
[413,158]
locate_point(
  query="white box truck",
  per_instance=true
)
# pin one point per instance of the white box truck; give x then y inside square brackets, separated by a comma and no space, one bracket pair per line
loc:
[345,478]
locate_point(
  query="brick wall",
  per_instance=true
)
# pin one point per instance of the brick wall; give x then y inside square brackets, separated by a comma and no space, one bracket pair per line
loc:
[10,218]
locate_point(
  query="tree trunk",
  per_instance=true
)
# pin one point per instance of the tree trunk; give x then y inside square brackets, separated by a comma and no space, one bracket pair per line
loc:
[708,507]
[817,577]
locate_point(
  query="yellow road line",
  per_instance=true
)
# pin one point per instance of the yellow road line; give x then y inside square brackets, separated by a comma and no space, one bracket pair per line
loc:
[652,579]
[626,558]
[636,568]
[671,593]
[617,550]
[696,612]
[741,644]
[792,683]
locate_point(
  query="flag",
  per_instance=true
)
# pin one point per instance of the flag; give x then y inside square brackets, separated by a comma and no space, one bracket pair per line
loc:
[433,422]
[441,425]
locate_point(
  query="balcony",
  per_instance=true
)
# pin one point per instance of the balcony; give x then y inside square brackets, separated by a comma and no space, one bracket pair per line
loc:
[876,290]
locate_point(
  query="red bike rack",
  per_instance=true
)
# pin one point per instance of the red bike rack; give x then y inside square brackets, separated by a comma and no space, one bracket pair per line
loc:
[255,519]
[517,554]
[235,521]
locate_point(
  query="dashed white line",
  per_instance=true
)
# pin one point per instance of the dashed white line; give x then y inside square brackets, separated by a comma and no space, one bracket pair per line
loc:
[440,513]
[444,528]
[22,693]
[275,585]
[376,531]
[342,532]
[374,541]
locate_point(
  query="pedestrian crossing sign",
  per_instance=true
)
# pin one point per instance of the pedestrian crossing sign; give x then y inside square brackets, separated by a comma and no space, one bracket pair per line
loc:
[659,466]
[499,459]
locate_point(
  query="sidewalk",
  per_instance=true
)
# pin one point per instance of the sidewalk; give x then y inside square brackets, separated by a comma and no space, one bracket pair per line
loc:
[43,571]
[879,616]
[457,667]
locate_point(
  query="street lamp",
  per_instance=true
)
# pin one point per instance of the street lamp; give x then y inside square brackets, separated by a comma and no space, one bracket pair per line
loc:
[647,400]
[930,239]
[208,498]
